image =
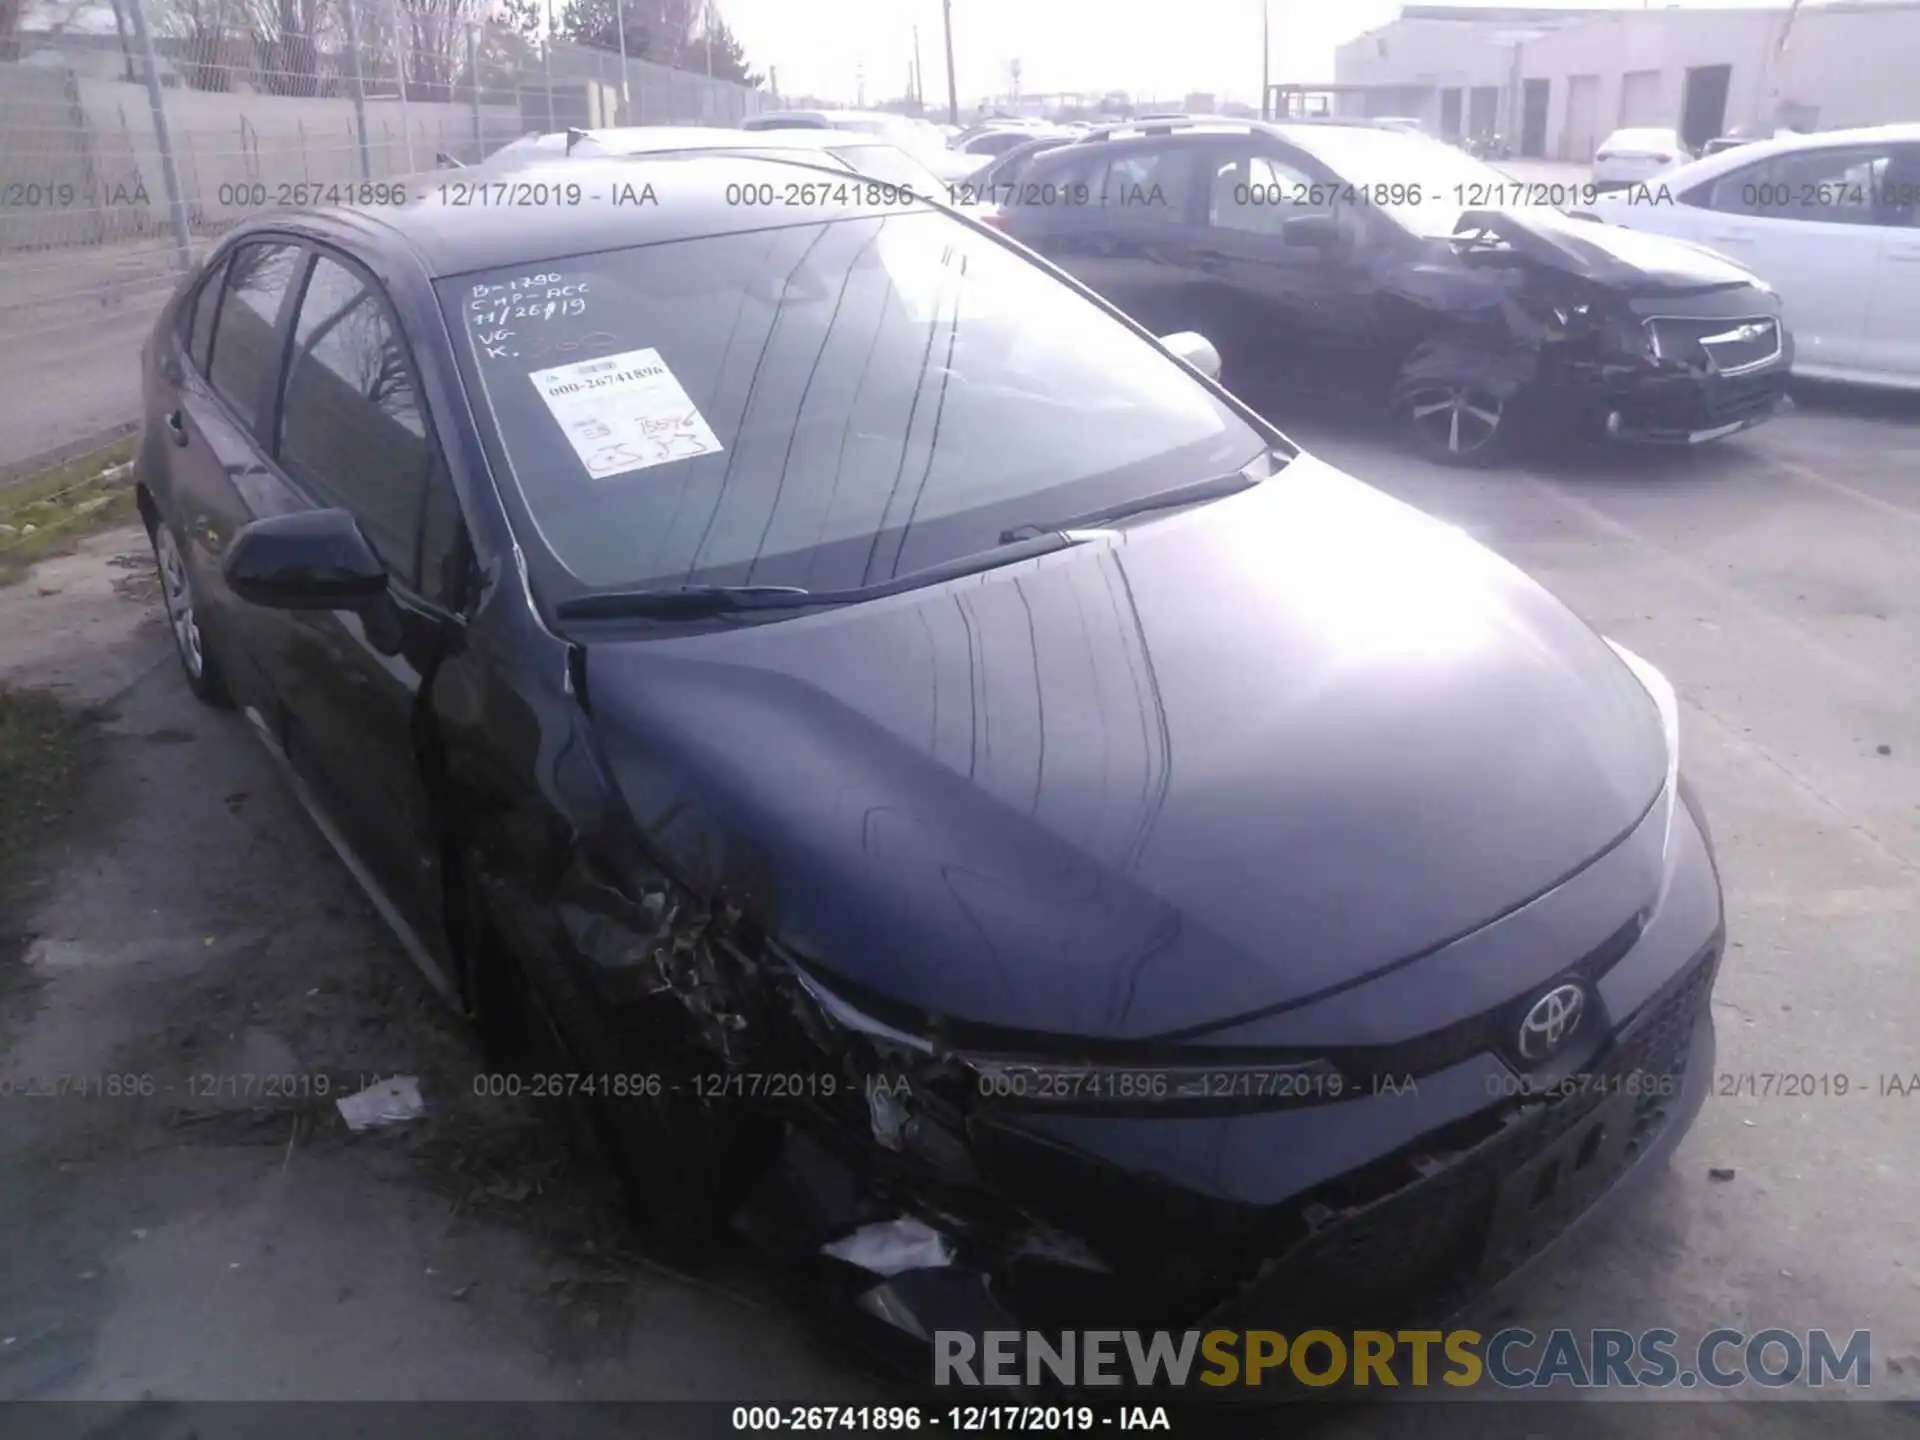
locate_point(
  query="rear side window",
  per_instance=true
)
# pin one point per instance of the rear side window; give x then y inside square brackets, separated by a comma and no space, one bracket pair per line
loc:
[244,353]
[206,305]
[352,430]
[1148,184]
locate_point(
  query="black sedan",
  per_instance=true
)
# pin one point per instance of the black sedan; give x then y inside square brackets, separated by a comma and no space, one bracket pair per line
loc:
[920,749]
[1372,263]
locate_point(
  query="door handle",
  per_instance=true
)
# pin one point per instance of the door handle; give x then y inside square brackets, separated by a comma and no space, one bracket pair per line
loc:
[177,427]
[1910,255]
[1731,237]
[1212,263]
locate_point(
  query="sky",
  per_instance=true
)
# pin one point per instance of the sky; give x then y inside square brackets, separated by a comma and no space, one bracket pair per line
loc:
[1154,49]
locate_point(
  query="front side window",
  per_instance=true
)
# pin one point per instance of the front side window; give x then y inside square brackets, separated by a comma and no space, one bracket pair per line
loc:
[352,431]
[1840,186]
[245,348]
[826,405]
[1259,194]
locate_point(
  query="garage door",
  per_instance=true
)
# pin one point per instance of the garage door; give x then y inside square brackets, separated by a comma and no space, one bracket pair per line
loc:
[1640,105]
[1583,117]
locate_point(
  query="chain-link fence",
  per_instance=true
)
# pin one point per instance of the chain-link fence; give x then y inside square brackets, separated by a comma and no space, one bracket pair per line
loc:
[123,154]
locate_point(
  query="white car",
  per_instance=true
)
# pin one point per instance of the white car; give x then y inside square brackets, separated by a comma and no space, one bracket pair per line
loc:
[1831,221]
[1626,157]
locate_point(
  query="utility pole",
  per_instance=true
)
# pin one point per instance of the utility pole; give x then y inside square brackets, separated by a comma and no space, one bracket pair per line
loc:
[919,76]
[620,38]
[1266,61]
[169,172]
[953,88]
[706,25]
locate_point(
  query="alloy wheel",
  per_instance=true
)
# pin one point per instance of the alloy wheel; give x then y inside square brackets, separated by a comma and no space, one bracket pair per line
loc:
[1460,420]
[176,593]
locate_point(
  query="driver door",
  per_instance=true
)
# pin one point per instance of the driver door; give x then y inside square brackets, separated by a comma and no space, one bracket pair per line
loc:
[1294,314]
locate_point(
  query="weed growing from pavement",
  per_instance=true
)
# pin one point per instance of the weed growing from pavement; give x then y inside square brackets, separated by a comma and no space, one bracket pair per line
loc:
[47,513]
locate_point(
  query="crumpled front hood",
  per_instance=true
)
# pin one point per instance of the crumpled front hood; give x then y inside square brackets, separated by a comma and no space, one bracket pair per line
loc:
[1263,748]
[1627,260]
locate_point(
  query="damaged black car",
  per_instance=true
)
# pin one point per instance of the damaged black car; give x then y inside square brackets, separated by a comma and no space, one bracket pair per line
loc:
[1395,270]
[971,807]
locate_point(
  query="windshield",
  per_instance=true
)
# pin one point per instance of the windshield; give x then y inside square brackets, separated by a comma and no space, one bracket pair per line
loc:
[827,405]
[1423,183]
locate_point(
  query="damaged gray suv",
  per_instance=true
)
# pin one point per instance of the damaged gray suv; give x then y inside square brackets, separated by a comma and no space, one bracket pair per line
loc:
[1471,306]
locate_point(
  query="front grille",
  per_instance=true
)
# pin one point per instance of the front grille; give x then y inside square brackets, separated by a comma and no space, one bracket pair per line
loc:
[1730,347]
[1408,1240]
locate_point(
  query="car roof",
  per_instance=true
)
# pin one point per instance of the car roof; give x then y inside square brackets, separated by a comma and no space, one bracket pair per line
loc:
[643,139]
[1635,132]
[766,115]
[690,201]
[1735,157]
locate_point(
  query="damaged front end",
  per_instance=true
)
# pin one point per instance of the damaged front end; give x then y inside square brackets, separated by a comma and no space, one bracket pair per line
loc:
[852,1148]
[1611,335]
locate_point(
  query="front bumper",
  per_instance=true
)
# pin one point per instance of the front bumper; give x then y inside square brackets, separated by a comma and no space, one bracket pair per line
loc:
[1693,412]
[1389,1211]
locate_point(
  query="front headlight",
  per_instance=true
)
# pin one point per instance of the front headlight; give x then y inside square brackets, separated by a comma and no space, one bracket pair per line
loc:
[1029,1082]
[1668,703]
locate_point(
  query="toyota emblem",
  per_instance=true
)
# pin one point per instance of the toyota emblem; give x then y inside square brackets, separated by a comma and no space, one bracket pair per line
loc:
[1552,1020]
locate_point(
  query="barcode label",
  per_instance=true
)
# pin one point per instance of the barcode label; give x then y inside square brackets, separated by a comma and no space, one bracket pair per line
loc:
[597,367]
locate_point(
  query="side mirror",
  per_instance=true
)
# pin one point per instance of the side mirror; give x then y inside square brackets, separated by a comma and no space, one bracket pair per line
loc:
[1319,231]
[1196,350]
[310,560]
[446,162]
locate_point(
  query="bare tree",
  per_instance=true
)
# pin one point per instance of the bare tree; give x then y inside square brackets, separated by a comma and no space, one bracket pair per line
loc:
[432,35]
[206,56]
[286,43]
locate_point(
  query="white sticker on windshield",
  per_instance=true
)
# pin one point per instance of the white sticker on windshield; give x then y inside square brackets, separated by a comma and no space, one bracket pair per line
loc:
[625,412]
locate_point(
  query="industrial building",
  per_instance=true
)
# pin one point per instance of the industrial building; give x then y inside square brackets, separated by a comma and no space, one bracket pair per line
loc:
[1557,82]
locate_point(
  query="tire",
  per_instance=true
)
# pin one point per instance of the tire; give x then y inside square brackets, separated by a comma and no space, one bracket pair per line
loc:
[1458,423]
[667,1151]
[177,597]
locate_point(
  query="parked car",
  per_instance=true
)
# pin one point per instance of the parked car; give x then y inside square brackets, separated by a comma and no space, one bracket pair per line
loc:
[998,140]
[1831,221]
[995,183]
[903,131]
[870,156]
[1354,260]
[1627,157]
[631,590]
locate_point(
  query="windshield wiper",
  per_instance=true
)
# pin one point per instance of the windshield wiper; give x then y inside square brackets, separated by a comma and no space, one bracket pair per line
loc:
[700,602]
[1216,487]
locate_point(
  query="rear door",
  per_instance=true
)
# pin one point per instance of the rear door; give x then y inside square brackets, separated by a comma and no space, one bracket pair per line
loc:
[219,480]
[1123,220]
[351,431]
